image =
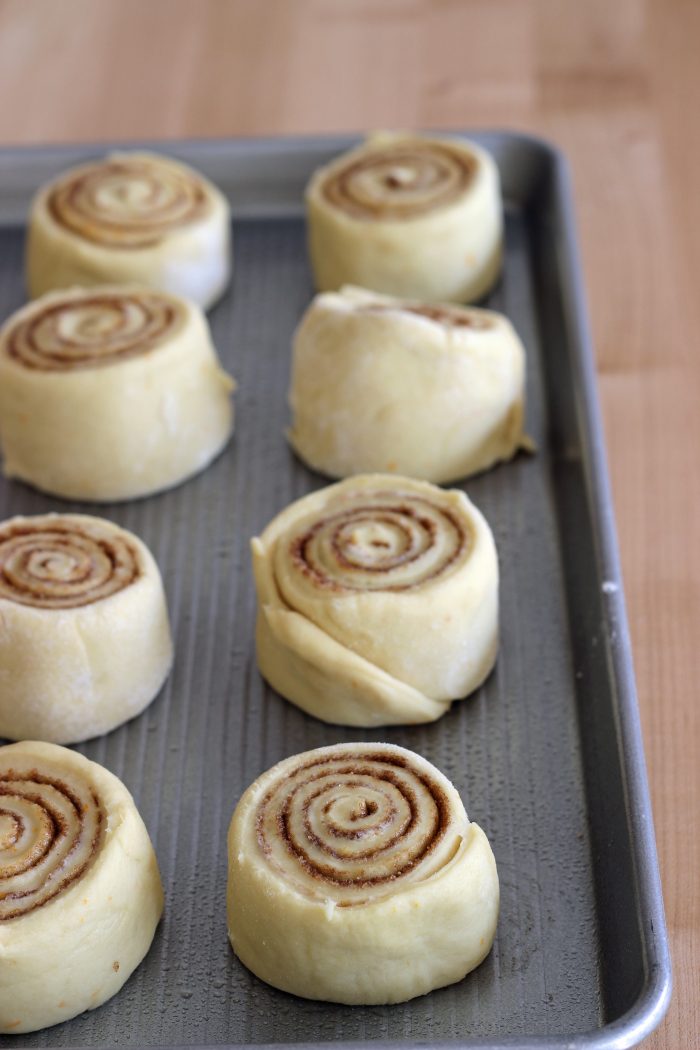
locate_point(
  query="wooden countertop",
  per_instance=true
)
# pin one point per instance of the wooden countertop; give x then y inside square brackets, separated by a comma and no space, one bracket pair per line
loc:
[617,86]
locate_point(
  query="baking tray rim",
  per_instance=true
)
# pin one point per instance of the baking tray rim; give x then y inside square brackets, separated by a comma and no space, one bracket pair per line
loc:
[654,996]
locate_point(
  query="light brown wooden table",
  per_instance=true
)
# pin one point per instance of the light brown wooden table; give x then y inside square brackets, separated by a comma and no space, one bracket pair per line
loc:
[616,83]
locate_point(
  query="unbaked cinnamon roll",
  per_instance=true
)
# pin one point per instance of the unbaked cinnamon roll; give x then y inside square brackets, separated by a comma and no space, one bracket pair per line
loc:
[84,639]
[377,601]
[415,217]
[110,393]
[355,876]
[432,391]
[80,892]
[132,218]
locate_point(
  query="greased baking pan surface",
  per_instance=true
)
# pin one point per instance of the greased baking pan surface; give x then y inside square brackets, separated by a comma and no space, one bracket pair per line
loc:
[547,755]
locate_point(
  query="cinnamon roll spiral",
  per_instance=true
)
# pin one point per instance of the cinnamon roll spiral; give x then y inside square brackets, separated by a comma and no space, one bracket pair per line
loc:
[407,178]
[128,201]
[348,858]
[131,218]
[413,217]
[80,892]
[434,392]
[64,562]
[378,601]
[110,394]
[85,640]
[94,329]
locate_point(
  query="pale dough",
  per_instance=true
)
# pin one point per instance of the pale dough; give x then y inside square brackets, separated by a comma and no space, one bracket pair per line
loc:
[415,217]
[110,393]
[90,898]
[132,218]
[355,876]
[382,384]
[84,635]
[377,601]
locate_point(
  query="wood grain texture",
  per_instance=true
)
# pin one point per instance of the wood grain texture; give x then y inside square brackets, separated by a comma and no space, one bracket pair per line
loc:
[617,86]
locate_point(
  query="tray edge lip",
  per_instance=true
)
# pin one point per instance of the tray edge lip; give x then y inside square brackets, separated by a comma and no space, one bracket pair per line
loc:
[654,996]
[304,141]
[341,140]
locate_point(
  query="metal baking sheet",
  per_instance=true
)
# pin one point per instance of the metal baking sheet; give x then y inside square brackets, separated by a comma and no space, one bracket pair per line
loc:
[547,755]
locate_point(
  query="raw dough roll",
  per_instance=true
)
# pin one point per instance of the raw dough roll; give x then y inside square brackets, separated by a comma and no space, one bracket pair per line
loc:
[377,601]
[435,392]
[414,217]
[84,634]
[132,218]
[355,876]
[80,892]
[110,393]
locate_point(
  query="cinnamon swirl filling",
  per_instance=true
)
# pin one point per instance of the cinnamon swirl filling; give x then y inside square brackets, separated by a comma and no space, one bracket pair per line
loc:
[387,542]
[51,830]
[128,203]
[403,182]
[61,562]
[93,329]
[350,826]
[450,317]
